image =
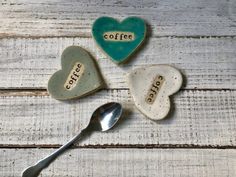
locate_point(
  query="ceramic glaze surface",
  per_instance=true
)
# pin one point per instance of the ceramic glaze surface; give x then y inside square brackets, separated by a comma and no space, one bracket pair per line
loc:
[119,39]
[78,77]
[151,87]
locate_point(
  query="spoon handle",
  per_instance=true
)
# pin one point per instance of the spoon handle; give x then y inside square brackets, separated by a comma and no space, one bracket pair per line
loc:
[34,170]
[47,160]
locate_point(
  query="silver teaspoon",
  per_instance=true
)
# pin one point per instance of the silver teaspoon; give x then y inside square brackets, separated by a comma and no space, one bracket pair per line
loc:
[103,118]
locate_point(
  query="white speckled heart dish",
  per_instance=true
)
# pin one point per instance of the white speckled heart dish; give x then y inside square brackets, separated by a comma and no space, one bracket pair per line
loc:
[151,87]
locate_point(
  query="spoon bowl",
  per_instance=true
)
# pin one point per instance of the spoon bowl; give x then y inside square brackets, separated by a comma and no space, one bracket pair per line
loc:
[106,116]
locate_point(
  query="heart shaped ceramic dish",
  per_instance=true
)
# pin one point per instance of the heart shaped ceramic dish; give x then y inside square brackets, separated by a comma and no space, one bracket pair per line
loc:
[119,39]
[151,87]
[78,77]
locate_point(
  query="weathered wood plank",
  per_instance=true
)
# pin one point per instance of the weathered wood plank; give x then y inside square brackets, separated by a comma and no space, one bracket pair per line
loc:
[75,18]
[206,62]
[124,162]
[200,118]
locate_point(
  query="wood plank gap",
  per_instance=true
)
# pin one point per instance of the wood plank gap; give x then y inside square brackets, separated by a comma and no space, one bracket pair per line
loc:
[90,36]
[120,146]
[44,92]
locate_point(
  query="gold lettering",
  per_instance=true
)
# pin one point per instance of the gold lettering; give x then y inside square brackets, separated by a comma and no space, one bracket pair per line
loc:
[74,76]
[119,36]
[155,87]
[105,36]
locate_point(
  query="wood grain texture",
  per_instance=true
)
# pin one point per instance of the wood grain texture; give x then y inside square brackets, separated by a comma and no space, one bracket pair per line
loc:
[199,118]
[33,35]
[124,162]
[75,18]
[207,63]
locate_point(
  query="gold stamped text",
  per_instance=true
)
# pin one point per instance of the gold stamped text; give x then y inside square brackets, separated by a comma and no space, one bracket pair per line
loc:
[120,36]
[154,89]
[74,76]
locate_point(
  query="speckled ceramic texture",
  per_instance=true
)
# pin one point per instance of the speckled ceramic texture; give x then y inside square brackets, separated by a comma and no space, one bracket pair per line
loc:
[119,51]
[142,80]
[89,81]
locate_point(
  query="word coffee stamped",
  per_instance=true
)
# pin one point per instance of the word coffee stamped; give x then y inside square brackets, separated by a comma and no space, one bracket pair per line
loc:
[153,91]
[118,36]
[74,76]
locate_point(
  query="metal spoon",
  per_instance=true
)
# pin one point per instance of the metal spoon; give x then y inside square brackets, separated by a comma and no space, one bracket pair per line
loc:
[103,118]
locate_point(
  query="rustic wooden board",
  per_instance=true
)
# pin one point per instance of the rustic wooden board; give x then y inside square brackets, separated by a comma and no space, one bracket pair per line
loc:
[206,62]
[200,118]
[125,162]
[74,18]
[33,35]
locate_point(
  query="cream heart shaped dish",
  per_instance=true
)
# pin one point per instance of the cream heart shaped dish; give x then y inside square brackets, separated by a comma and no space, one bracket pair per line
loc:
[151,87]
[78,77]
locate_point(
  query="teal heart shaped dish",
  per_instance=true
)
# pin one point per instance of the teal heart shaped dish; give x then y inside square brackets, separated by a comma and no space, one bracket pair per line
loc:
[119,39]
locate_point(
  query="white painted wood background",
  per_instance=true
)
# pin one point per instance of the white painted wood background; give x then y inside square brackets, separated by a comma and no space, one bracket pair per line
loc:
[198,139]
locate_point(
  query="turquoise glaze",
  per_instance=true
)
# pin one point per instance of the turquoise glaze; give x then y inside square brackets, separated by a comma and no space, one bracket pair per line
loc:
[119,51]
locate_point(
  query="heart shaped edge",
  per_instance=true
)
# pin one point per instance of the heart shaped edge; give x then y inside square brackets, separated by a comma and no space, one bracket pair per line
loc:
[101,85]
[120,22]
[128,78]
